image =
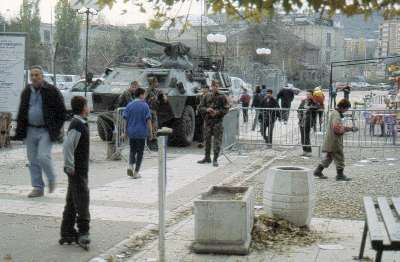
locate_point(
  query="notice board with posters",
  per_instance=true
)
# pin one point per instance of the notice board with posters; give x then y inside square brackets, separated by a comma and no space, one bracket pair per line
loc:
[12,66]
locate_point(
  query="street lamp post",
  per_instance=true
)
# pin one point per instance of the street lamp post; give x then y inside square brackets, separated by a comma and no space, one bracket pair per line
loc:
[88,12]
[263,52]
[216,39]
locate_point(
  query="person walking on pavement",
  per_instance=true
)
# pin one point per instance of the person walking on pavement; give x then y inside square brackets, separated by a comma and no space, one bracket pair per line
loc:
[333,142]
[138,127]
[76,166]
[286,96]
[306,114]
[333,96]
[256,104]
[268,116]
[40,118]
[245,101]
[346,91]
[215,106]
[128,95]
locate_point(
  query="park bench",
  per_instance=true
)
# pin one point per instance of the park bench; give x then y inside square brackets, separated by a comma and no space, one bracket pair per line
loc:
[382,223]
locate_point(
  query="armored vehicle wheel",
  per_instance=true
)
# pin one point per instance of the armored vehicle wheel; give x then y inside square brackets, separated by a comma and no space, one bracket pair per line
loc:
[105,126]
[184,128]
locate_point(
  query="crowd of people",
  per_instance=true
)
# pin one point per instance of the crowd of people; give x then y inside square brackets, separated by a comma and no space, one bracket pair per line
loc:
[269,109]
[42,114]
[310,114]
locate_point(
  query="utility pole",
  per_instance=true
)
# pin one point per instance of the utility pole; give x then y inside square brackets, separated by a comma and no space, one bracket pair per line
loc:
[86,49]
[87,11]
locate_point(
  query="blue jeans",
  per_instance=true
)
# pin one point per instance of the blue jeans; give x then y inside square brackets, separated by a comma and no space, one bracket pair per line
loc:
[38,146]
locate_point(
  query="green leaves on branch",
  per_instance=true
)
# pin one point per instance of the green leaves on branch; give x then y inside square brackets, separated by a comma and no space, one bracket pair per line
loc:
[257,9]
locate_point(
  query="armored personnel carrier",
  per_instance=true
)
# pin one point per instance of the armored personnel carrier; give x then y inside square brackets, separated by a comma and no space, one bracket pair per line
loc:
[179,79]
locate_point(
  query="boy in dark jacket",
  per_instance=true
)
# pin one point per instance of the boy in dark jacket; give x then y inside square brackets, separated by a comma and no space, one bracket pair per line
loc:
[76,166]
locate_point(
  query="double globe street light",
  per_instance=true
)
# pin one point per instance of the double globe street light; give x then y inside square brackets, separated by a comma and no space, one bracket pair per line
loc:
[216,39]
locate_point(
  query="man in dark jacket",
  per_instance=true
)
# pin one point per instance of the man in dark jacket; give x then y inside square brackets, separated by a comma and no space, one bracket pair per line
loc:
[307,112]
[269,116]
[286,95]
[256,104]
[41,116]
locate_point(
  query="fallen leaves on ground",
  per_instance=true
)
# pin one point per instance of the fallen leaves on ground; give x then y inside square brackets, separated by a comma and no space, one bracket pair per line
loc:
[279,234]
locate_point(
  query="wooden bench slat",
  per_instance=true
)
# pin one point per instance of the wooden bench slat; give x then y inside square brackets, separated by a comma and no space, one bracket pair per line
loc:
[396,204]
[392,228]
[375,230]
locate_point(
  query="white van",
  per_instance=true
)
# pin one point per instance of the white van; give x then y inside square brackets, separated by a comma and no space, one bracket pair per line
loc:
[78,89]
[236,88]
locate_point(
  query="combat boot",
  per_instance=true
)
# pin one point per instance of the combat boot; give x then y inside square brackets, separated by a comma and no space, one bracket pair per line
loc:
[340,176]
[318,172]
[206,159]
[215,160]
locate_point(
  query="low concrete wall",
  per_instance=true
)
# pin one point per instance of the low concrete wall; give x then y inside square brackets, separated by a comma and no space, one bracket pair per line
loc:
[224,225]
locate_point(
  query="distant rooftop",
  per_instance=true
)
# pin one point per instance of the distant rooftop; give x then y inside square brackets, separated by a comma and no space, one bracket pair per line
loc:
[190,20]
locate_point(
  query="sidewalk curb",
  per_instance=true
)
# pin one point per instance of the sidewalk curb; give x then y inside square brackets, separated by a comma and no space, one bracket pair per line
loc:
[150,231]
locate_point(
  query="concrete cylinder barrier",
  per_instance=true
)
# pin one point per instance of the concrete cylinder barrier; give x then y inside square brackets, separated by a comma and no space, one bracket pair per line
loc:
[289,194]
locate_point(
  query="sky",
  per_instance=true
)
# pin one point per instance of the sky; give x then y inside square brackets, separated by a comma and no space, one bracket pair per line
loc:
[10,8]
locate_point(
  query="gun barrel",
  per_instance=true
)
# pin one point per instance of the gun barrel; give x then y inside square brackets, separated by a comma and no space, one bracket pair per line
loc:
[164,44]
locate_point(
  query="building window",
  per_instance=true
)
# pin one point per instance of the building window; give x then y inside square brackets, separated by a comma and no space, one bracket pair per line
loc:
[328,57]
[46,36]
[328,40]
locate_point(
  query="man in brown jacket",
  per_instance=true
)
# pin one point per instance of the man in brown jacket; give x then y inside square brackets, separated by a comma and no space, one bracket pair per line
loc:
[333,142]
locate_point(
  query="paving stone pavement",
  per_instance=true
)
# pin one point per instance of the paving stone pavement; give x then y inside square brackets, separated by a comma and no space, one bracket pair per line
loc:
[120,206]
[346,233]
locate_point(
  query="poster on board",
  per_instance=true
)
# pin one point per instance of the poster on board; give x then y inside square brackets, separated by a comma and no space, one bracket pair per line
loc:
[79,4]
[12,66]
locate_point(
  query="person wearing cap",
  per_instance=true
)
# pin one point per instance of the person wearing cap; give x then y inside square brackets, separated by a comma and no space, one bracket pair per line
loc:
[268,116]
[333,142]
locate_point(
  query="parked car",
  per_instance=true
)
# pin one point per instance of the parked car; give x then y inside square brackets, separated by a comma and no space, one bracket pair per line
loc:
[63,81]
[359,84]
[78,89]
[384,86]
[66,81]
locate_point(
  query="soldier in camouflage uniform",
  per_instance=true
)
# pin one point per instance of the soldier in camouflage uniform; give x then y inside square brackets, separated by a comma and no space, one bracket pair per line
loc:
[128,95]
[154,97]
[214,107]
[200,115]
